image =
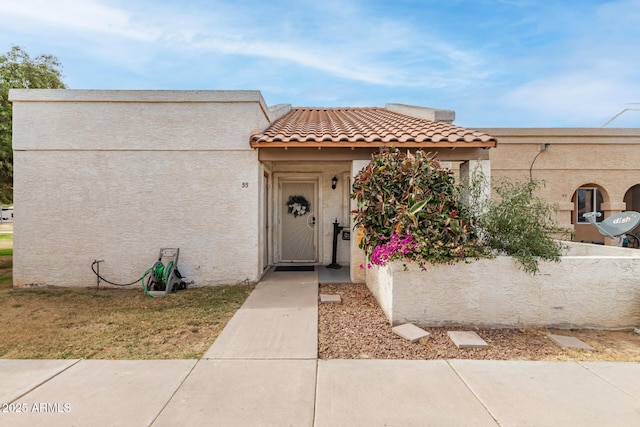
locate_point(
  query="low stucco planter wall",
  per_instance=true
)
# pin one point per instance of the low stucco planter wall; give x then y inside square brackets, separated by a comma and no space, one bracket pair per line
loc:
[592,287]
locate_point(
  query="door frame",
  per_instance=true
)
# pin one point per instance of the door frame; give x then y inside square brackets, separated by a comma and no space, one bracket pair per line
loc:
[266,221]
[279,211]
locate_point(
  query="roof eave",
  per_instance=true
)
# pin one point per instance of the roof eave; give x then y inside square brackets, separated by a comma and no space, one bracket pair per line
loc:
[364,144]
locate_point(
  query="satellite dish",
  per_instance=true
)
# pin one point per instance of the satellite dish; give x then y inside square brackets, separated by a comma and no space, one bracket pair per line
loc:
[621,223]
[615,225]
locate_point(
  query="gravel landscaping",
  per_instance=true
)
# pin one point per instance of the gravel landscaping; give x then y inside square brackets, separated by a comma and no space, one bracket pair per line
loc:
[358,329]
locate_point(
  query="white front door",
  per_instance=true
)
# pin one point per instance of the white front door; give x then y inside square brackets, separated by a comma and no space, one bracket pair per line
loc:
[298,226]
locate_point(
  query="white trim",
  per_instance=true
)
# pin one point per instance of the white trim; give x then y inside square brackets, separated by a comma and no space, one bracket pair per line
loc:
[346,197]
[594,201]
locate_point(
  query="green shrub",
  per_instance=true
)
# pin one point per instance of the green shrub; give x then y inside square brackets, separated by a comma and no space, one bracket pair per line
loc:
[408,208]
[518,223]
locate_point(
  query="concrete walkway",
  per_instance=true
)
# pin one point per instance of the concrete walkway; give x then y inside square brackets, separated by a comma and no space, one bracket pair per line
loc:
[263,371]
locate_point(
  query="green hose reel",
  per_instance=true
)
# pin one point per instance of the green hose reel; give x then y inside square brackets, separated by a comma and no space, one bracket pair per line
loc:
[163,277]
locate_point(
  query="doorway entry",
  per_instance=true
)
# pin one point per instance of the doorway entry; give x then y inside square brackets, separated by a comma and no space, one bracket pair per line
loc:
[297,209]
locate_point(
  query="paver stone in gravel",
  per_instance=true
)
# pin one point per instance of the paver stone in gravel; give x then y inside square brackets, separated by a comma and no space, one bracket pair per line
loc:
[467,339]
[569,342]
[330,299]
[410,332]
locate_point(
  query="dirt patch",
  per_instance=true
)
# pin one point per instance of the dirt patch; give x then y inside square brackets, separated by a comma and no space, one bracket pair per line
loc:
[358,329]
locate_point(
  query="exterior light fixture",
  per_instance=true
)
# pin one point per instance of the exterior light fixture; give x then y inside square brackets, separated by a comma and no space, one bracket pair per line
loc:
[334,182]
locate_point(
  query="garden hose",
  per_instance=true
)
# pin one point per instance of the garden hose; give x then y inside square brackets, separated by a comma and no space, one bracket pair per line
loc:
[158,270]
[117,284]
[167,271]
[149,270]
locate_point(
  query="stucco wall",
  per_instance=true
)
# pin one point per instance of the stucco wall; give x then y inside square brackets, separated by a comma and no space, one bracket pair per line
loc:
[135,120]
[581,291]
[117,176]
[358,256]
[607,158]
[380,282]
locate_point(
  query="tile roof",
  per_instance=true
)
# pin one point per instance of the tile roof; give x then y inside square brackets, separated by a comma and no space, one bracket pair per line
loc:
[363,127]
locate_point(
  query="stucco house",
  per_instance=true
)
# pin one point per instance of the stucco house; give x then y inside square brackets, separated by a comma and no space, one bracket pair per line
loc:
[583,169]
[116,175]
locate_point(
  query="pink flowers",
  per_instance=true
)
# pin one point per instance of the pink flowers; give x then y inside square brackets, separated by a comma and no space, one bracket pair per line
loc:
[396,247]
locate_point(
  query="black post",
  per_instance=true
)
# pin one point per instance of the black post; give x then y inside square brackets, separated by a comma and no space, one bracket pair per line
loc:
[336,230]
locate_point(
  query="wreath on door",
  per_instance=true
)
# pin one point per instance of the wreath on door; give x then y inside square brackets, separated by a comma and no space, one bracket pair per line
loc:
[298,205]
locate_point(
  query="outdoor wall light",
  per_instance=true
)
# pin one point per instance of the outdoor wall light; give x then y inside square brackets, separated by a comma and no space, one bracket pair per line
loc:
[334,182]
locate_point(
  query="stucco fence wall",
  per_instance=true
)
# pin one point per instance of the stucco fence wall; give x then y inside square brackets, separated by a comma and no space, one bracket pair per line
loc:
[591,287]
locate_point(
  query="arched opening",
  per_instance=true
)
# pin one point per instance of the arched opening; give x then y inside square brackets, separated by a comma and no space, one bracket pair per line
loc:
[588,198]
[632,198]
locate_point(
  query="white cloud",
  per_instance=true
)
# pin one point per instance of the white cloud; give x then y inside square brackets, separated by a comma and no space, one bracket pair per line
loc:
[579,98]
[87,15]
[342,42]
[314,57]
[582,74]
[519,61]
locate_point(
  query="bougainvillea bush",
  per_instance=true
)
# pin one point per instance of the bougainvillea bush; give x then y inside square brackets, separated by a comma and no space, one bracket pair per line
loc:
[409,209]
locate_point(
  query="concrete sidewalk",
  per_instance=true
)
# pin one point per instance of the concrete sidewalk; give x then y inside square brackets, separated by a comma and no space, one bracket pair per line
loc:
[263,371]
[279,320]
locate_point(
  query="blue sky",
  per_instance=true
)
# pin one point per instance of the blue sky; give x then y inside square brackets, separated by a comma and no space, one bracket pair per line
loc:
[497,63]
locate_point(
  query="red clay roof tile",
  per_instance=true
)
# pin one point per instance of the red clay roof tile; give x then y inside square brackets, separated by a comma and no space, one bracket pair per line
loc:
[363,127]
